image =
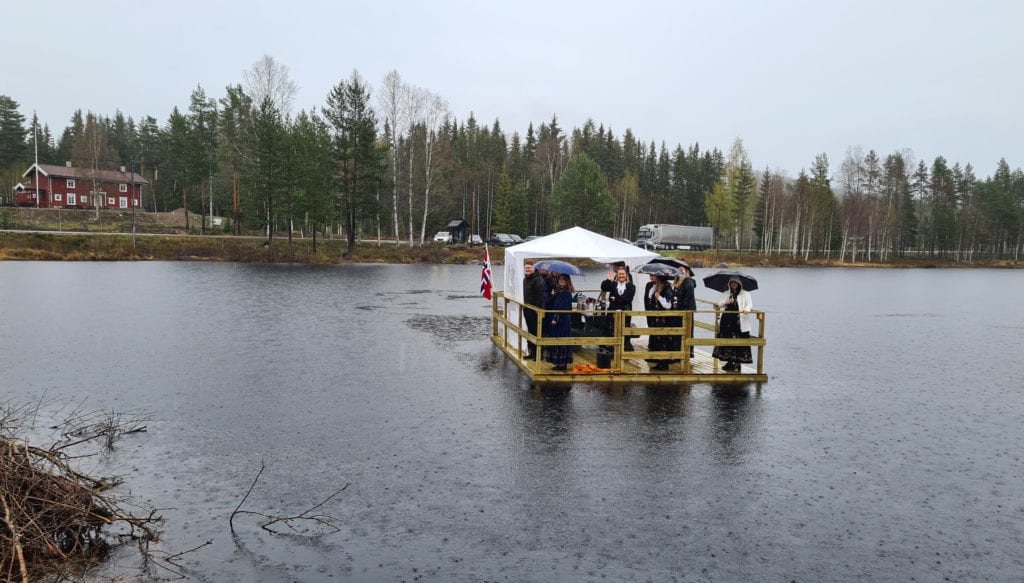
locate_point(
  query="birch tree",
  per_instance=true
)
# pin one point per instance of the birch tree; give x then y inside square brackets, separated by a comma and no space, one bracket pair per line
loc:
[395,103]
[269,79]
[434,113]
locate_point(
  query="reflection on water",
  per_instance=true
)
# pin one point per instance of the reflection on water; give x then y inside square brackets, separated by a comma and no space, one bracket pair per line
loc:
[881,445]
[735,420]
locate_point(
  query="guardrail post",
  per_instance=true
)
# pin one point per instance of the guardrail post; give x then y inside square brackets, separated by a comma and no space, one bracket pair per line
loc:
[620,344]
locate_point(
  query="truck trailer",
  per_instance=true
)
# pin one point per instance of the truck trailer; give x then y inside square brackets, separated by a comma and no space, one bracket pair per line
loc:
[675,237]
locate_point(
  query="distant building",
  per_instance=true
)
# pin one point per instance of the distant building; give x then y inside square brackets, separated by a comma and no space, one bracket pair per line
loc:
[53,186]
[459,230]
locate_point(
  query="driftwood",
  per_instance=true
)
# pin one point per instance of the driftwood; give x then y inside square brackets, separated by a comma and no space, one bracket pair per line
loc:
[325,523]
[55,520]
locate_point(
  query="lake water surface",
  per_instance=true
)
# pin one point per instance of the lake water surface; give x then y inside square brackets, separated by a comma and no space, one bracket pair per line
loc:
[886,446]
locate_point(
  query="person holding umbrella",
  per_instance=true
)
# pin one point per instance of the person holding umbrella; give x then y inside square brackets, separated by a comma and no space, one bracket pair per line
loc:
[683,298]
[658,297]
[736,304]
[559,325]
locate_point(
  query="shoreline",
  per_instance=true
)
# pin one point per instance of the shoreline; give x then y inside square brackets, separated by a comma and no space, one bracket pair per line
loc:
[96,246]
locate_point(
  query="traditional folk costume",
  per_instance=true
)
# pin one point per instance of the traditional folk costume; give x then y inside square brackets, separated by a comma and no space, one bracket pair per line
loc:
[734,323]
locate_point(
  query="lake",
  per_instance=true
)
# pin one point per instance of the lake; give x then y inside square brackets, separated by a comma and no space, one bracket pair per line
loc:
[886,445]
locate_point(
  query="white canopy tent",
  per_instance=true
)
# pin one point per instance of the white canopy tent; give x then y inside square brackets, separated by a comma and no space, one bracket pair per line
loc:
[576,242]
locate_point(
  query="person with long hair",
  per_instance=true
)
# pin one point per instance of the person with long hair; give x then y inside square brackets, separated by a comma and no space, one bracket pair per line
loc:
[735,323]
[559,324]
[683,298]
[658,297]
[620,291]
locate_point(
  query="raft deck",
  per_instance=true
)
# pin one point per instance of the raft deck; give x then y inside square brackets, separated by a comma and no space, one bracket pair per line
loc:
[511,337]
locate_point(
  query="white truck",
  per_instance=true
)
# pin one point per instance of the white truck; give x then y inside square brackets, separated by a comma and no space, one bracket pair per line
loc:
[675,237]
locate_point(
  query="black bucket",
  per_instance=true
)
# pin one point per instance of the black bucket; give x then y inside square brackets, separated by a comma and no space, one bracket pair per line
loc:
[604,357]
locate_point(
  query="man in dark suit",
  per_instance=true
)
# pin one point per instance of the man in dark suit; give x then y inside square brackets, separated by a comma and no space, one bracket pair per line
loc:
[534,294]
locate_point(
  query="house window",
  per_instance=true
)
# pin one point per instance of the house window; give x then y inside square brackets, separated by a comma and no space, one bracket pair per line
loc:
[58,197]
[123,202]
[71,182]
[71,199]
[110,201]
[84,199]
[122,187]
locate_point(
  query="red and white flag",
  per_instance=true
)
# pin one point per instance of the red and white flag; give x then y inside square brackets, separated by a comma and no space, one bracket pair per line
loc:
[485,275]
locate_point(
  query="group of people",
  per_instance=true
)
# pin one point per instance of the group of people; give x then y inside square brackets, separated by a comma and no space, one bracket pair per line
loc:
[552,291]
[664,294]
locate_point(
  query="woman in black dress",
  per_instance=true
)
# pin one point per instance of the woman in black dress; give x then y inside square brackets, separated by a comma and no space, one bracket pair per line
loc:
[683,298]
[735,323]
[658,297]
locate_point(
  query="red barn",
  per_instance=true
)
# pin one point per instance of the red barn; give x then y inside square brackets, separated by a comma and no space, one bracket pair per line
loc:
[52,186]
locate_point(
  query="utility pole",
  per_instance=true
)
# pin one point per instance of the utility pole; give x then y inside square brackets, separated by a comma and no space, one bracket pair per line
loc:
[132,198]
[35,140]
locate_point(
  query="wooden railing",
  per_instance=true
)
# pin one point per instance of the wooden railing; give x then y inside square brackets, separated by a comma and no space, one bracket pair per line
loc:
[706,319]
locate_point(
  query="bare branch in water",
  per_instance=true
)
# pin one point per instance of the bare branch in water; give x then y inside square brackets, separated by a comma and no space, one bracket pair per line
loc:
[328,522]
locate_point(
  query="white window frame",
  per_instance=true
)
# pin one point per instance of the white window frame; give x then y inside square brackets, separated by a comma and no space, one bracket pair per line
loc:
[58,197]
[122,187]
[84,199]
[110,201]
[71,182]
[71,199]
[123,202]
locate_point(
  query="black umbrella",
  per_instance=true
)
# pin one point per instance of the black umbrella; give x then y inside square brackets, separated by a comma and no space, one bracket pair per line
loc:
[720,280]
[661,269]
[677,263]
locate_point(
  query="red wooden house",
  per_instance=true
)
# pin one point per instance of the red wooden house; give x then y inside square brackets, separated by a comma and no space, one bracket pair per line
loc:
[53,186]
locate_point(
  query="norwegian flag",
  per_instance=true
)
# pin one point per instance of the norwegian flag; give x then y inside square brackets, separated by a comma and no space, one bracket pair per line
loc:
[485,275]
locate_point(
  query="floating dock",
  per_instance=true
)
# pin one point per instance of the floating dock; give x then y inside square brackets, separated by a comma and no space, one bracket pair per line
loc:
[629,367]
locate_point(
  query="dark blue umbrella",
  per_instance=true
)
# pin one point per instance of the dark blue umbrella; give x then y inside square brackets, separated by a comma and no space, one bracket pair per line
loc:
[555,266]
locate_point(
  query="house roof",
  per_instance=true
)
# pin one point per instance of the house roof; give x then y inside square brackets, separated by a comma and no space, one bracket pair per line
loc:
[457,223]
[58,171]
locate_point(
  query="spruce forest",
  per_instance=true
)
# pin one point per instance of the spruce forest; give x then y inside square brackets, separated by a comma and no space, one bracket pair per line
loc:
[392,162]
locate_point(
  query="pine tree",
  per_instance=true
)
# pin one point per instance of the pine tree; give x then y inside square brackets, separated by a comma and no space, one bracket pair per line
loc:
[203,155]
[581,198]
[359,158]
[14,149]
[179,147]
[234,124]
[267,160]
[311,144]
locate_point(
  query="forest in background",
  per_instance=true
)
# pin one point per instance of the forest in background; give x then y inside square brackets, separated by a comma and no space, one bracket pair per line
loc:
[395,163]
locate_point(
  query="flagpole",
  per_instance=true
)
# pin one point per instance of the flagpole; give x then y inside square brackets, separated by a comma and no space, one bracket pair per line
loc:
[35,140]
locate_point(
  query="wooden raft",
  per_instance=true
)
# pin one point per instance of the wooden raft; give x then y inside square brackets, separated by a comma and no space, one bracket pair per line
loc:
[628,367]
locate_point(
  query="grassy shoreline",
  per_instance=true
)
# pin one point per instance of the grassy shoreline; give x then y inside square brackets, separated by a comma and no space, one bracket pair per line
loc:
[65,246]
[86,235]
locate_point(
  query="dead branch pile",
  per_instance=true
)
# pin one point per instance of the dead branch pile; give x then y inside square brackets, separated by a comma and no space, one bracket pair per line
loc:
[54,519]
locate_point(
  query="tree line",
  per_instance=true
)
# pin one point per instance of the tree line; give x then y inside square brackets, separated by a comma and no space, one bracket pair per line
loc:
[395,164]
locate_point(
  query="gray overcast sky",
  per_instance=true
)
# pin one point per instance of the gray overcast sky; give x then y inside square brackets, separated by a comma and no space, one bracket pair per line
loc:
[791,78]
